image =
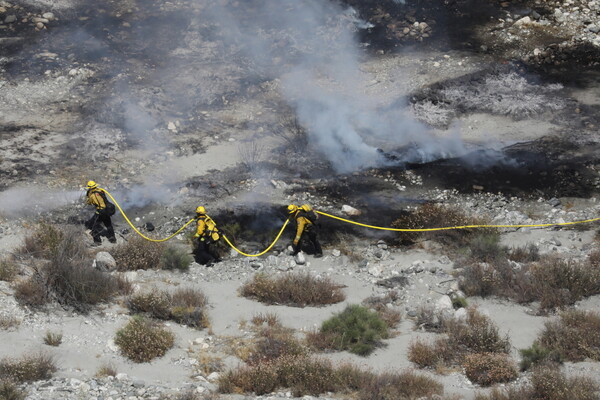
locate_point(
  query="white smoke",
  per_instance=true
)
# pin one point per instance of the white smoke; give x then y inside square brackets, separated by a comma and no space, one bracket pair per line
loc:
[322,79]
[28,201]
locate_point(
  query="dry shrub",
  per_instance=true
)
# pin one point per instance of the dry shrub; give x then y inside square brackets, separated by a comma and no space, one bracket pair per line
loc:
[552,281]
[429,319]
[53,338]
[142,340]
[526,254]
[489,368]
[431,215]
[8,269]
[313,376]
[558,282]
[298,290]
[485,247]
[43,242]
[190,395]
[185,306]
[106,370]
[28,368]
[207,363]
[574,336]
[10,391]
[69,278]
[356,329]
[406,385]
[477,334]
[548,382]
[275,341]
[8,321]
[382,306]
[138,253]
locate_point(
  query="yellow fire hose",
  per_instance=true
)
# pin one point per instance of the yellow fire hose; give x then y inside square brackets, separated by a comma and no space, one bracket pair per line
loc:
[349,222]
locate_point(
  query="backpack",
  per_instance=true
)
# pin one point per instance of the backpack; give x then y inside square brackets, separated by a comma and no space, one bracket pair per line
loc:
[110,208]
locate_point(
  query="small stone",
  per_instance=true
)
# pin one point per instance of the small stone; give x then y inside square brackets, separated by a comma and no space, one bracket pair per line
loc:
[393,282]
[138,383]
[10,19]
[213,376]
[48,15]
[300,259]
[336,253]
[122,377]
[535,15]
[523,21]
[376,271]
[171,126]
[443,303]
[39,25]
[351,211]
[554,202]
[593,28]
[104,261]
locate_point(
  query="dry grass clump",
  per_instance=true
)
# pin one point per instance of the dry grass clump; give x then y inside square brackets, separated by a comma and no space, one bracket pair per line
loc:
[526,254]
[313,376]
[28,368]
[382,306]
[8,269]
[432,215]
[53,338]
[273,341]
[8,321]
[548,382]
[43,242]
[106,370]
[574,336]
[185,306]
[10,391]
[298,290]
[175,258]
[429,319]
[69,278]
[190,395]
[477,334]
[138,253]
[142,340]
[489,368]
[552,281]
[356,329]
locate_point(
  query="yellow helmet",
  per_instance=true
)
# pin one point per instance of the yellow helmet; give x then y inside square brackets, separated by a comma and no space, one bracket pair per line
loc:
[91,185]
[200,210]
[292,208]
[306,207]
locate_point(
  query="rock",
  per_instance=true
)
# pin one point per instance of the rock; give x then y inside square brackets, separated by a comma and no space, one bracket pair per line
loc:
[363,264]
[443,303]
[10,19]
[149,226]
[39,25]
[535,15]
[122,377]
[393,282]
[523,21]
[104,261]
[214,376]
[554,202]
[537,52]
[42,20]
[300,259]
[382,245]
[256,265]
[171,126]
[336,253]
[411,313]
[593,28]
[48,15]
[376,271]
[460,314]
[350,211]
[138,383]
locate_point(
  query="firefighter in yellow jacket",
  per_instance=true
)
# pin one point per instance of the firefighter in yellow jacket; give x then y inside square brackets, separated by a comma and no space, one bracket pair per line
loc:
[207,234]
[104,210]
[306,221]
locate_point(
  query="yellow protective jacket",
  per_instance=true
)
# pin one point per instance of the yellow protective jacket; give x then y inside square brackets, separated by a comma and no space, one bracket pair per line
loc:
[94,197]
[303,223]
[207,228]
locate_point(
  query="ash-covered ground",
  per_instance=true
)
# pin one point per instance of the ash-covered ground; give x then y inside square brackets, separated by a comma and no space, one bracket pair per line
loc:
[247,106]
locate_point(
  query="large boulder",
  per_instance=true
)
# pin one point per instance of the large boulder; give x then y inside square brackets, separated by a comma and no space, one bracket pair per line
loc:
[104,261]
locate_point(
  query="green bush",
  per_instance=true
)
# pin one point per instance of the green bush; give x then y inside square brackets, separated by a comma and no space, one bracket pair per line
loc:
[28,368]
[537,354]
[175,258]
[356,329]
[298,290]
[459,302]
[142,340]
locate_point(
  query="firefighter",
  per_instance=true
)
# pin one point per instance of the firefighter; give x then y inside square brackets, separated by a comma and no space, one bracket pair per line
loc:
[104,210]
[306,220]
[207,235]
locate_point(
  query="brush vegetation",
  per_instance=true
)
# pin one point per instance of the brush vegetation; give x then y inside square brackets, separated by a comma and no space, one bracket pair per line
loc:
[143,340]
[298,290]
[356,329]
[27,368]
[185,306]
[68,277]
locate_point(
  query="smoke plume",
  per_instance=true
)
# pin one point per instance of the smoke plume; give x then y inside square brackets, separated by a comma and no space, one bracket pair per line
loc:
[27,201]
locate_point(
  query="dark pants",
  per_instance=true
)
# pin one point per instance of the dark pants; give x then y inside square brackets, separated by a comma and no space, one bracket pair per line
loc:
[311,235]
[206,252]
[95,225]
